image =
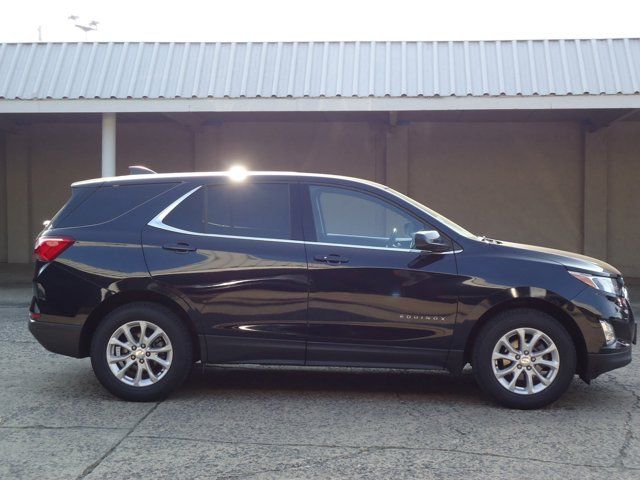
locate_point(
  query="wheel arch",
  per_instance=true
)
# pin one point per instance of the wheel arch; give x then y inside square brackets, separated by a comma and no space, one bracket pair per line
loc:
[130,296]
[545,306]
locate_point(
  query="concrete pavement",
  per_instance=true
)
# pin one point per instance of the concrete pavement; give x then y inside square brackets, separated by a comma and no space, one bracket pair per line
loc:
[56,421]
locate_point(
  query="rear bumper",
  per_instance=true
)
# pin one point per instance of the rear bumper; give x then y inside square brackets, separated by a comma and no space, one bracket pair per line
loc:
[62,300]
[606,361]
[57,337]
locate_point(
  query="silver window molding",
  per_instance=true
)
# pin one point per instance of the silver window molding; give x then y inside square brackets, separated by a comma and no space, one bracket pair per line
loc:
[158,222]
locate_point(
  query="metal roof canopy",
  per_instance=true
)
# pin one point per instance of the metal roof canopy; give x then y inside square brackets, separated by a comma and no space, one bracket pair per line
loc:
[321,76]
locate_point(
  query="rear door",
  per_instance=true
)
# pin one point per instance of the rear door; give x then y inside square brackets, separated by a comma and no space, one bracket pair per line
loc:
[234,250]
[374,300]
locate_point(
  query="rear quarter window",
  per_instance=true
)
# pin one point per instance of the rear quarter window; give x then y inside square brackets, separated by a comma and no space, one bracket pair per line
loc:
[106,203]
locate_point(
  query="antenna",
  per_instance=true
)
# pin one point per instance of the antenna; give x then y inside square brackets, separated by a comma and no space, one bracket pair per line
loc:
[139,170]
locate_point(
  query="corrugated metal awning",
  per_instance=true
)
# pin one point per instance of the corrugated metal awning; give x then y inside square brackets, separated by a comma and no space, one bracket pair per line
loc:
[324,70]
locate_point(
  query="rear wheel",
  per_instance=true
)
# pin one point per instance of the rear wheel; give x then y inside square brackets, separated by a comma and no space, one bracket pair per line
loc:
[141,352]
[524,358]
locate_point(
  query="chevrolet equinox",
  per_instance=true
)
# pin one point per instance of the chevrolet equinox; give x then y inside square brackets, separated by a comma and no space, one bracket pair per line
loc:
[149,273]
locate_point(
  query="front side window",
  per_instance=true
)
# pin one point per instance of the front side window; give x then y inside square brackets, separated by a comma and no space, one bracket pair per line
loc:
[350,217]
[260,210]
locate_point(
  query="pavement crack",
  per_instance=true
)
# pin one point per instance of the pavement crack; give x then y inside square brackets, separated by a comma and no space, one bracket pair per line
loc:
[48,427]
[388,447]
[623,452]
[95,464]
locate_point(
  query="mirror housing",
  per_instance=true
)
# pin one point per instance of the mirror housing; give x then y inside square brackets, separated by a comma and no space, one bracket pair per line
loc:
[430,241]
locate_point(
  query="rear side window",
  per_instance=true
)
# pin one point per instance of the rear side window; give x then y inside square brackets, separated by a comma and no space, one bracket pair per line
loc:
[260,210]
[106,203]
[249,210]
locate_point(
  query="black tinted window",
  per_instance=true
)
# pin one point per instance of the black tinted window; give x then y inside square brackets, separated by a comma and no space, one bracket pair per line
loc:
[106,203]
[249,210]
[78,195]
[189,214]
[242,210]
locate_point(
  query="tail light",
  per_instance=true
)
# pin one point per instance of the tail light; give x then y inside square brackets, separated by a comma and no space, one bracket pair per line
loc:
[47,249]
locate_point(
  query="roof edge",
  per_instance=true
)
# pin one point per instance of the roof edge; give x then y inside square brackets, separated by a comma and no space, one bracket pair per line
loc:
[336,41]
[323,104]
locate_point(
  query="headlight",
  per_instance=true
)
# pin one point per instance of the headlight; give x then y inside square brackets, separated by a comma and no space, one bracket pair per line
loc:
[606,284]
[625,292]
[609,334]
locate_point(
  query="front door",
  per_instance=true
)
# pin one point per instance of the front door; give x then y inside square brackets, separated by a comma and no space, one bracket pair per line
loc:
[234,251]
[374,300]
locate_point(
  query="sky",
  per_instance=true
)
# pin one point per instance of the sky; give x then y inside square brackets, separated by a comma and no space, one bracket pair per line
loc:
[289,20]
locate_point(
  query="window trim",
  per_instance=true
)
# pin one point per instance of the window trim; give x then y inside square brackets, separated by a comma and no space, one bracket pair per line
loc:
[158,222]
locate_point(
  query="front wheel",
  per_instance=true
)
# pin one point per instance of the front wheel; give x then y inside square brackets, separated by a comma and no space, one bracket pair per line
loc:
[524,359]
[141,352]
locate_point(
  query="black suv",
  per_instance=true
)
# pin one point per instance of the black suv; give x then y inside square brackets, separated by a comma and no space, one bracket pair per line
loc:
[150,273]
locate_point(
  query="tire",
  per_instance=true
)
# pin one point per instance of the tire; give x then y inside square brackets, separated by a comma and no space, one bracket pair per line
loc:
[163,365]
[536,384]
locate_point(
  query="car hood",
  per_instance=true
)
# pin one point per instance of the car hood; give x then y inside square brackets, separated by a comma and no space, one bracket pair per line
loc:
[573,261]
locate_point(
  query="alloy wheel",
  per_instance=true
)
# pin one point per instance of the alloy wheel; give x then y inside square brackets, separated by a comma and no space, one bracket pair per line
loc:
[139,353]
[525,361]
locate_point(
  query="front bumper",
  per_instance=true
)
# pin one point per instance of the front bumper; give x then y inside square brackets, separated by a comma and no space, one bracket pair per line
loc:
[57,337]
[589,308]
[605,361]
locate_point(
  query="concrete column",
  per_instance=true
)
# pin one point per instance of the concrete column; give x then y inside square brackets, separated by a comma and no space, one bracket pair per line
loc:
[3,199]
[379,134]
[595,193]
[397,158]
[19,241]
[108,144]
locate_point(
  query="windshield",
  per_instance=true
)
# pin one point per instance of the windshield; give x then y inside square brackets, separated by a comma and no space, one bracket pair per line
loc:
[441,218]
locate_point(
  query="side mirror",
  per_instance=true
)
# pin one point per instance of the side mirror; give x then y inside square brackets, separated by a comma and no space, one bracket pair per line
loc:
[430,241]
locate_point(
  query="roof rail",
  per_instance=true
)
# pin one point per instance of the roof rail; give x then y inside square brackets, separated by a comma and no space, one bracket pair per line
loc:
[139,170]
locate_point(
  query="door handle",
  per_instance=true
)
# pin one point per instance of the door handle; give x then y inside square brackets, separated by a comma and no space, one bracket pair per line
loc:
[331,259]
[179,247]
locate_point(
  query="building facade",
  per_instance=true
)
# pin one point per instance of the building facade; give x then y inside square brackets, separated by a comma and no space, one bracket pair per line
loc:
[534,142]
